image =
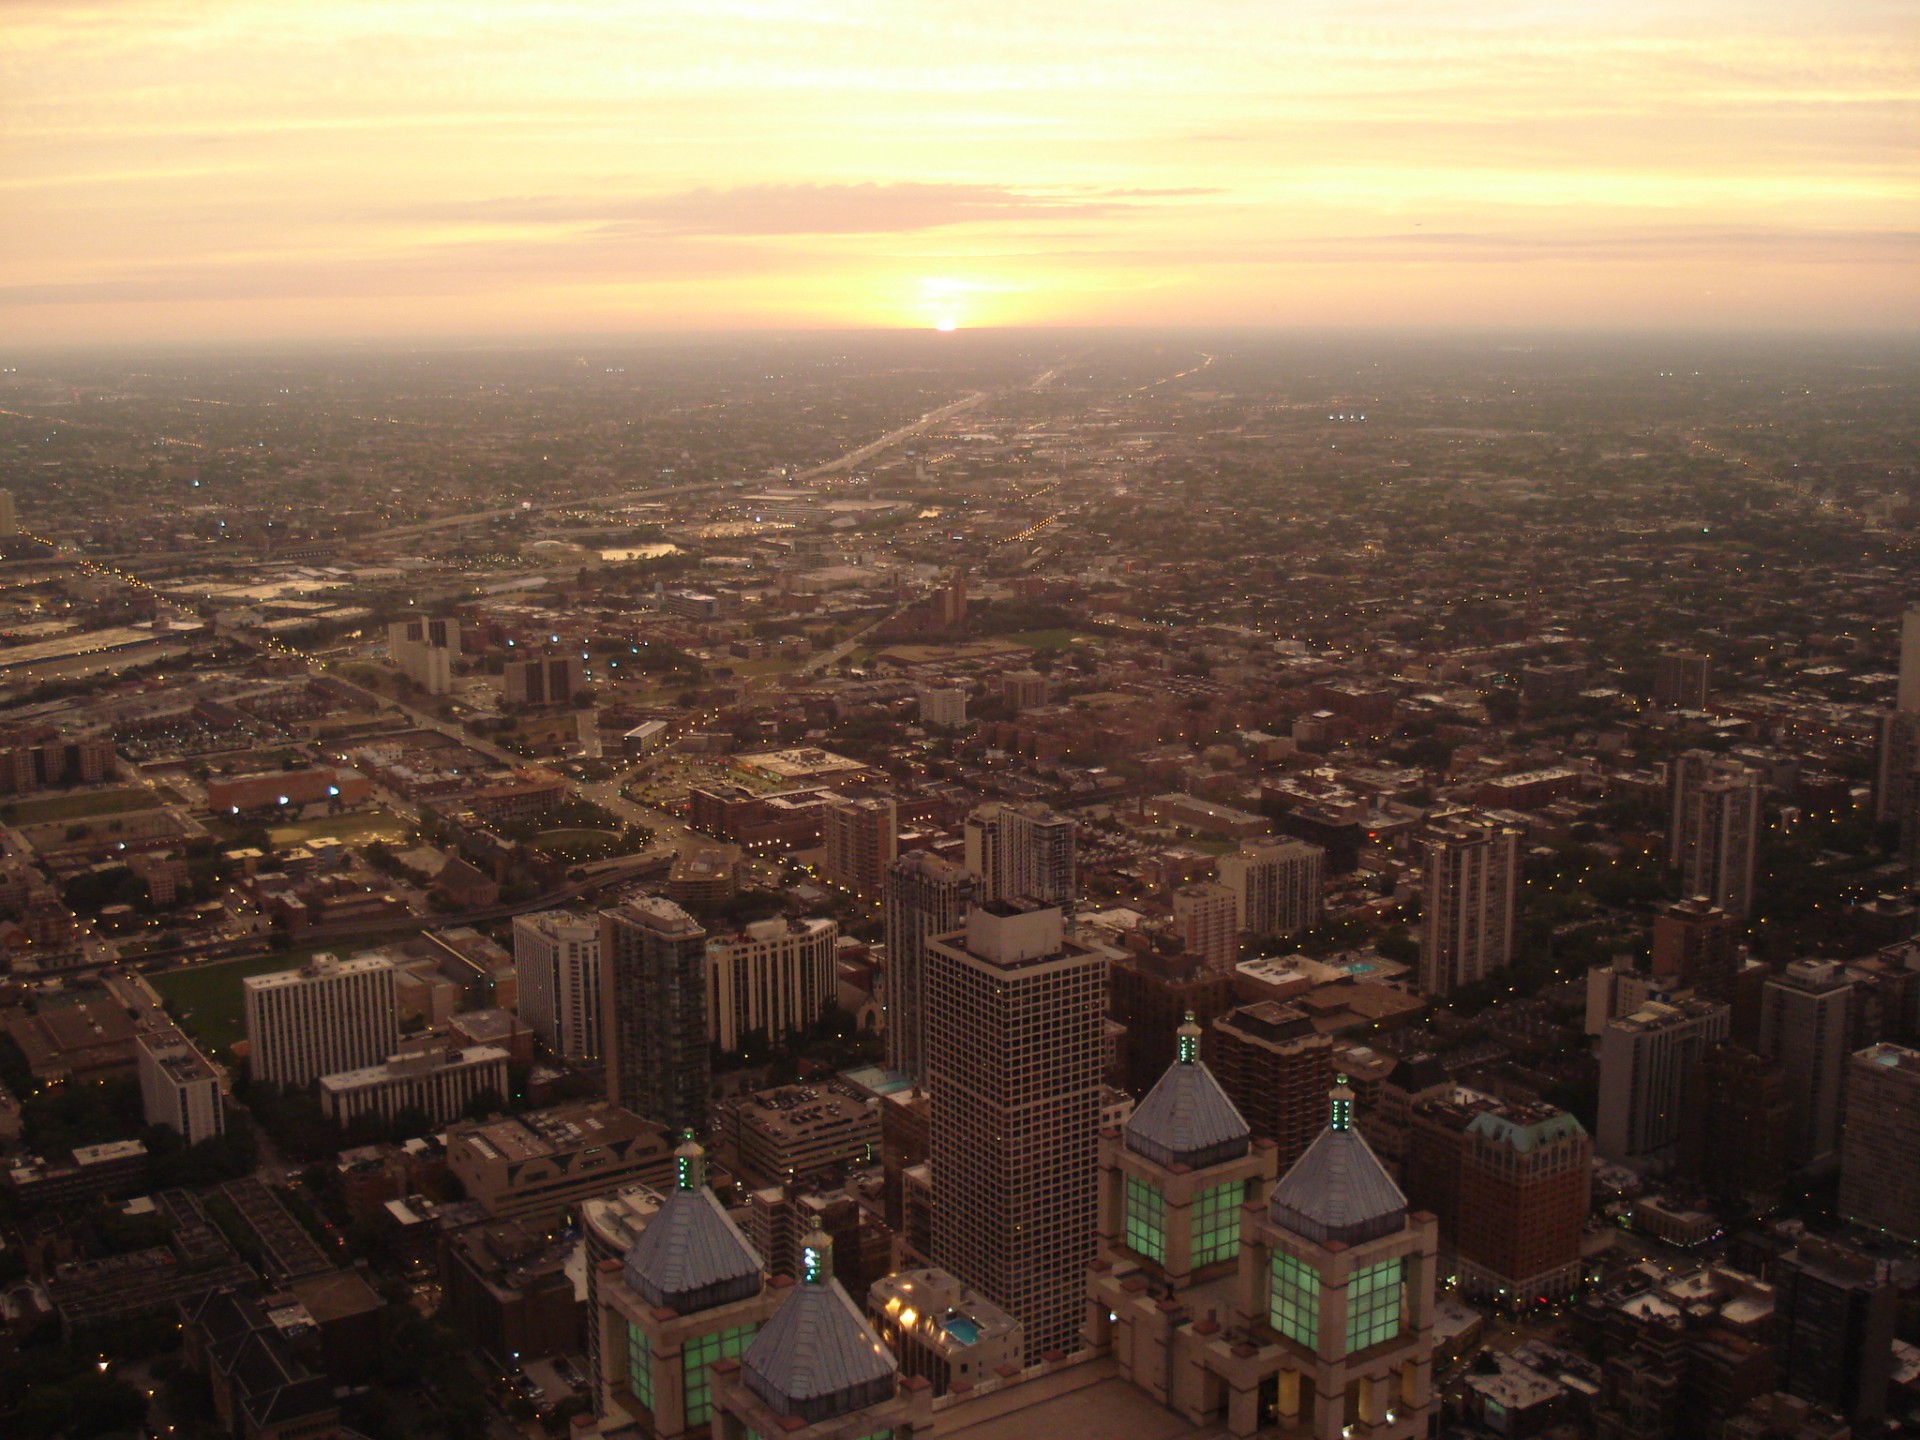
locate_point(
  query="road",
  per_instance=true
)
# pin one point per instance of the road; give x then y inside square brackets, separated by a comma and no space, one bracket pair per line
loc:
[894,437]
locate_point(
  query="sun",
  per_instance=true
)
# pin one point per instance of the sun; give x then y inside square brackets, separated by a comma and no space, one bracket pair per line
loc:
[948,324]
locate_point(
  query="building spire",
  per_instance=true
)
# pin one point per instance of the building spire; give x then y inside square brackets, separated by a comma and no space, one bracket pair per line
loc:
[689,1163]
[1341,1099]
[1188,1044]
[816,1257]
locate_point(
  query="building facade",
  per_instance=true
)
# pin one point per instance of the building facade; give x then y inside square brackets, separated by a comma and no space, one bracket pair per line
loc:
[1021,852]
[179,1087]
[439,1083]
[1468,905]
[1275,887]
[653,1003]
[774,977]
[329,1015]
[1715,838]
[557,954]
[862,835]
[924,896]
[1880,1143]
[1646,1075]
[1806,1024]
[1278,1069]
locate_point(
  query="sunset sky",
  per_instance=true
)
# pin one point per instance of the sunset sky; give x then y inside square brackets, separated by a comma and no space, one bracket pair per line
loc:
[330,168]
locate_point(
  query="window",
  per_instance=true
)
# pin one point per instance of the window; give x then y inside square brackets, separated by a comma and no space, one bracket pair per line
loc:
[1216,1223]
[1146,1220]
[639,1366]
[706,1351]
[1294,1306]
[1373,1305]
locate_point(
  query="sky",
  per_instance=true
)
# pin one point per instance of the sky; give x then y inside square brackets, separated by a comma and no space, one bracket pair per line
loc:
[281,169]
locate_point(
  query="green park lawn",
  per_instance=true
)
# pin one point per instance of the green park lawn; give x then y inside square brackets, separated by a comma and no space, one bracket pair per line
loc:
[81,806]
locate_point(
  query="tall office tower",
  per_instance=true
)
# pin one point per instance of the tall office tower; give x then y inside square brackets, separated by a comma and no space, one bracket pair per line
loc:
[817,1368]
[329,1015]
[653,1008]
[1021,852]
[1833,1319]
[862,839]
[1899,755]
[1715,836]
[773,976]
[1472,891]
[1646,1075]
[557,955]
[1733,1132]
[688,1293]
[543,679]
[1908,696]
[1277,1068]
[179,1087]
[1208,919]
[1880,1146]
[1510,1183]
[1805,1026]
[9,516]
[1682,679]
[1275,886]
[1698,944]
[924,896]
[424,651]
[1016,1012]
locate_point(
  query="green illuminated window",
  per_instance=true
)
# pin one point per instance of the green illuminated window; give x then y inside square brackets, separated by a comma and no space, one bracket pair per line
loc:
[704,1352]
[639,1366]
[1146,1220]
[1216,1223]
[1373,1305]
[1294,1305]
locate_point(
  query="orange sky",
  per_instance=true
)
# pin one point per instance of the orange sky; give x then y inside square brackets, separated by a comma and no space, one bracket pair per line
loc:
[293,168]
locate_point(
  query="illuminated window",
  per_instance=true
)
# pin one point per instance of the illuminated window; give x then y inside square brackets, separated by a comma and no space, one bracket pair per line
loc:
[639,1366]
[1294,1306]
[1216,1223]
[1146,1220]
[1373,1305]
[703,1353]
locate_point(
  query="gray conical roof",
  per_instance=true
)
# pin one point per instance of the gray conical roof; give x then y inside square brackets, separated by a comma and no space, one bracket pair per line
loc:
[817,1358]
[1187,1119]
[1339,1190]
[692,1256]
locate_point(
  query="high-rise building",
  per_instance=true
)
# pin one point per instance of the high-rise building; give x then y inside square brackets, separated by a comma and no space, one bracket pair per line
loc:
[440,1084]
[1023,689]
[1510,1183]
[557,956]
[924,896]
[1908,696]
[327,1016]
[1646,1074]
[943,707]
[1016,1015]
[1150,991]
[1208,919]
[653,1007]
[1697,944]
[1715,834]
[1467,909]
[862,834]
[1021,852]
[1682,679]
[1833,1319]
[543,679]
[1277,1068]
[179,1087]
[775,977]
[1275,886]
[9,516]
[424,649]
[1899,756]
[1733,1131]
[1805,1027]
[1880,1143]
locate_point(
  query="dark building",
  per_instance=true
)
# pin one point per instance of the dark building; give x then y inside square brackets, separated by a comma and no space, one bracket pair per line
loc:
[1833,1328]
[1152,991]
[653,1003]
[1682,679]
[1733,1130]
[924,896]
[1700,943]
[508,1292]
[1338,835]
[1277,1069]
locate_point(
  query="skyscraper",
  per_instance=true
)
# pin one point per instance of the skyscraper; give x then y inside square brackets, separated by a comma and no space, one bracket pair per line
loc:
[1805,1027]
[327,1016]
[773,976]
[1275,886]
[862,838]
[1880,1143]
[1016,1013]
[1278,1069]
[1733,1130]
[1467,914]
[1715,834]
[653,1006]
[557,956]
[924,896]
[1207,917]
[1021,852]
[1908,697]
[1833,1319]
[1698,944]
[1646,1074]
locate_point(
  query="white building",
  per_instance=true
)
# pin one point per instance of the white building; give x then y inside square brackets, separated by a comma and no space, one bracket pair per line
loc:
[1467,908]
[1020,852]
[179,1087]
[1646,1070]
[330,1015]
[1208,919]
[943,707]
[1715,828]
[1275,887]
[775,976]
[439,1082]
[423,650]
[557,954]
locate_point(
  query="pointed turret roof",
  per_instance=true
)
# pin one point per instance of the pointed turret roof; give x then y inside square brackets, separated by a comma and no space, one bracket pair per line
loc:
[817,1359]
[1187,1119]
[1339,1190]
[692,1256]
